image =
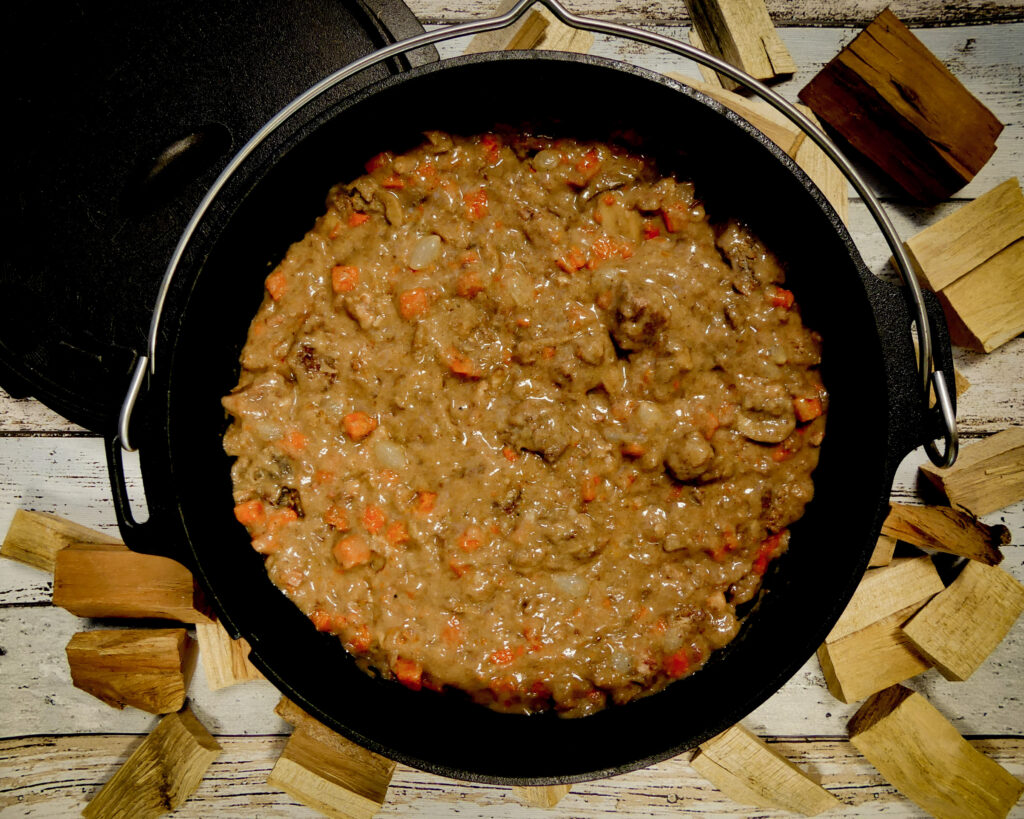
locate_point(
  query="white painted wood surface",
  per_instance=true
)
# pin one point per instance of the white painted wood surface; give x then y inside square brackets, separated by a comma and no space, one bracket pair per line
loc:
[58,745]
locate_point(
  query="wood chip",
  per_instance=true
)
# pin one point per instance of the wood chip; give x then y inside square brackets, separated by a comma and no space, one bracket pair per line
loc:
[101,580]
[893,101]
[871,659]
[161,774]
[544,796]
[882,554]
[749,771]
[144,668]
[988,475]
[921,754]
[946,530]
[538,29]
[225,661]
[742,34]
[985,308]
[34,538]
[883,592]
[961,626]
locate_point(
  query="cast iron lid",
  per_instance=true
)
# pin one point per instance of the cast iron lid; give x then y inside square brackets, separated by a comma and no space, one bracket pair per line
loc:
[121,116]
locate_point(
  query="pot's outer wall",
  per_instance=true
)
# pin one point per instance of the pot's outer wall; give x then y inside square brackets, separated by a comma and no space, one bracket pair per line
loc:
[187,473]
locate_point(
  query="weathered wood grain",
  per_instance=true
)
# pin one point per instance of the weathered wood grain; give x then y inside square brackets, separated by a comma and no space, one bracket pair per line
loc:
[53,776]
[783,12]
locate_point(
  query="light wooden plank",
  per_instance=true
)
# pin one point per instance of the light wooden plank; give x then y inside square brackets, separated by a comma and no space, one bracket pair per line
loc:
[225,661]
[946,530]
[34,538]
[987,476]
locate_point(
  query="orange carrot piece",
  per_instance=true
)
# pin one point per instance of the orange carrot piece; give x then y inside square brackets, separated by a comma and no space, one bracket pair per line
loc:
[393,182]
[356,218]
[503,656]
[633,450]
[344,277]
[281,517]
[781,297]
[251,513]
[458,568]
[651,231]
[460,365]
[397,533]
[294,442]
[476,203]
[451,634]
[276,284]
[360,640]
[378,161]
[373,519]
[471,539]
[510,454]
[409,673]
[807,409]
[469,284]
[766,552]
[413,303]
[589,164]
[675,216]
[573,260]
[351,551]
[322,619]
[677,664]
[358,425]
[589,490]
[425,502]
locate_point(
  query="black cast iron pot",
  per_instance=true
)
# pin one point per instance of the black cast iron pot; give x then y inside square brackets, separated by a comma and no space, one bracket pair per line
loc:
[876,417]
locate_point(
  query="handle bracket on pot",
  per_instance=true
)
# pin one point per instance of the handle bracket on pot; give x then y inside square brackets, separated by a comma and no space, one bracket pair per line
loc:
[930,379]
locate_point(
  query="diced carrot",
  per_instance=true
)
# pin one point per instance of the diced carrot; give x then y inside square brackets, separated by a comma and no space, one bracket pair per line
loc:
[510,454]
[677,664]
[604,299]
[707,423]
[358,425]
[503,656]
[409,673]
[337,518]
[397,533]
[633,450]
[393,182]
[602,248]
[476,203]
[675,215]
[492,148]
[651,231]
[807,409]
[356,219]
[250,513]
[322,476]
[471,539]
[548,352]
[589,164]
[360,640]
[469,284]
[425,502]
[322,619]
[293,443]
[378,161]
[608,199]
[351,551]
[344,277]
[451,634]
[783,452]
[276,284]
[281,517]
[469,257]
[413,303]
[573,260]
[781,297]
[460,365]
[265,544]
[458,568]
[589,490]
[373,519]
[766,552]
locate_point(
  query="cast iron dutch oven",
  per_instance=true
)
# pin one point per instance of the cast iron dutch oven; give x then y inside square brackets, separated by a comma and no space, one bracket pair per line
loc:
[877,414]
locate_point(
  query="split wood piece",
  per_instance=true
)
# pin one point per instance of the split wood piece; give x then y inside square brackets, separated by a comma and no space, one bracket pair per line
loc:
[749,771]
[104,580]
[161,774]
[946,530]
[34,538]
[922,755]
[780,130]
[225,661]
[961,626]
[545,796]
[893,101]
[882,592]
[539,29]
[326,771]
[145,668]
[985,308]
[968,237]
[882,555]
[869,660]
[742,34]
[988,475]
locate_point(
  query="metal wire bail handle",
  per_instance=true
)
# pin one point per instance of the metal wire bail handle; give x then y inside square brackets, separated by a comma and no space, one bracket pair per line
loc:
[932,379]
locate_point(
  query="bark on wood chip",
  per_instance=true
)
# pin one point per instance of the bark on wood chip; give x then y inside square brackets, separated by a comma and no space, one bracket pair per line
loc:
[923,756]
[742,34]
[988,475]
[961,626]
[545,796]
[103,580]
[162,772]
[748,770]
[946,530]
[893,101]
[882,592]
[225,661]
[871,659]
[34,538]
[145,668]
